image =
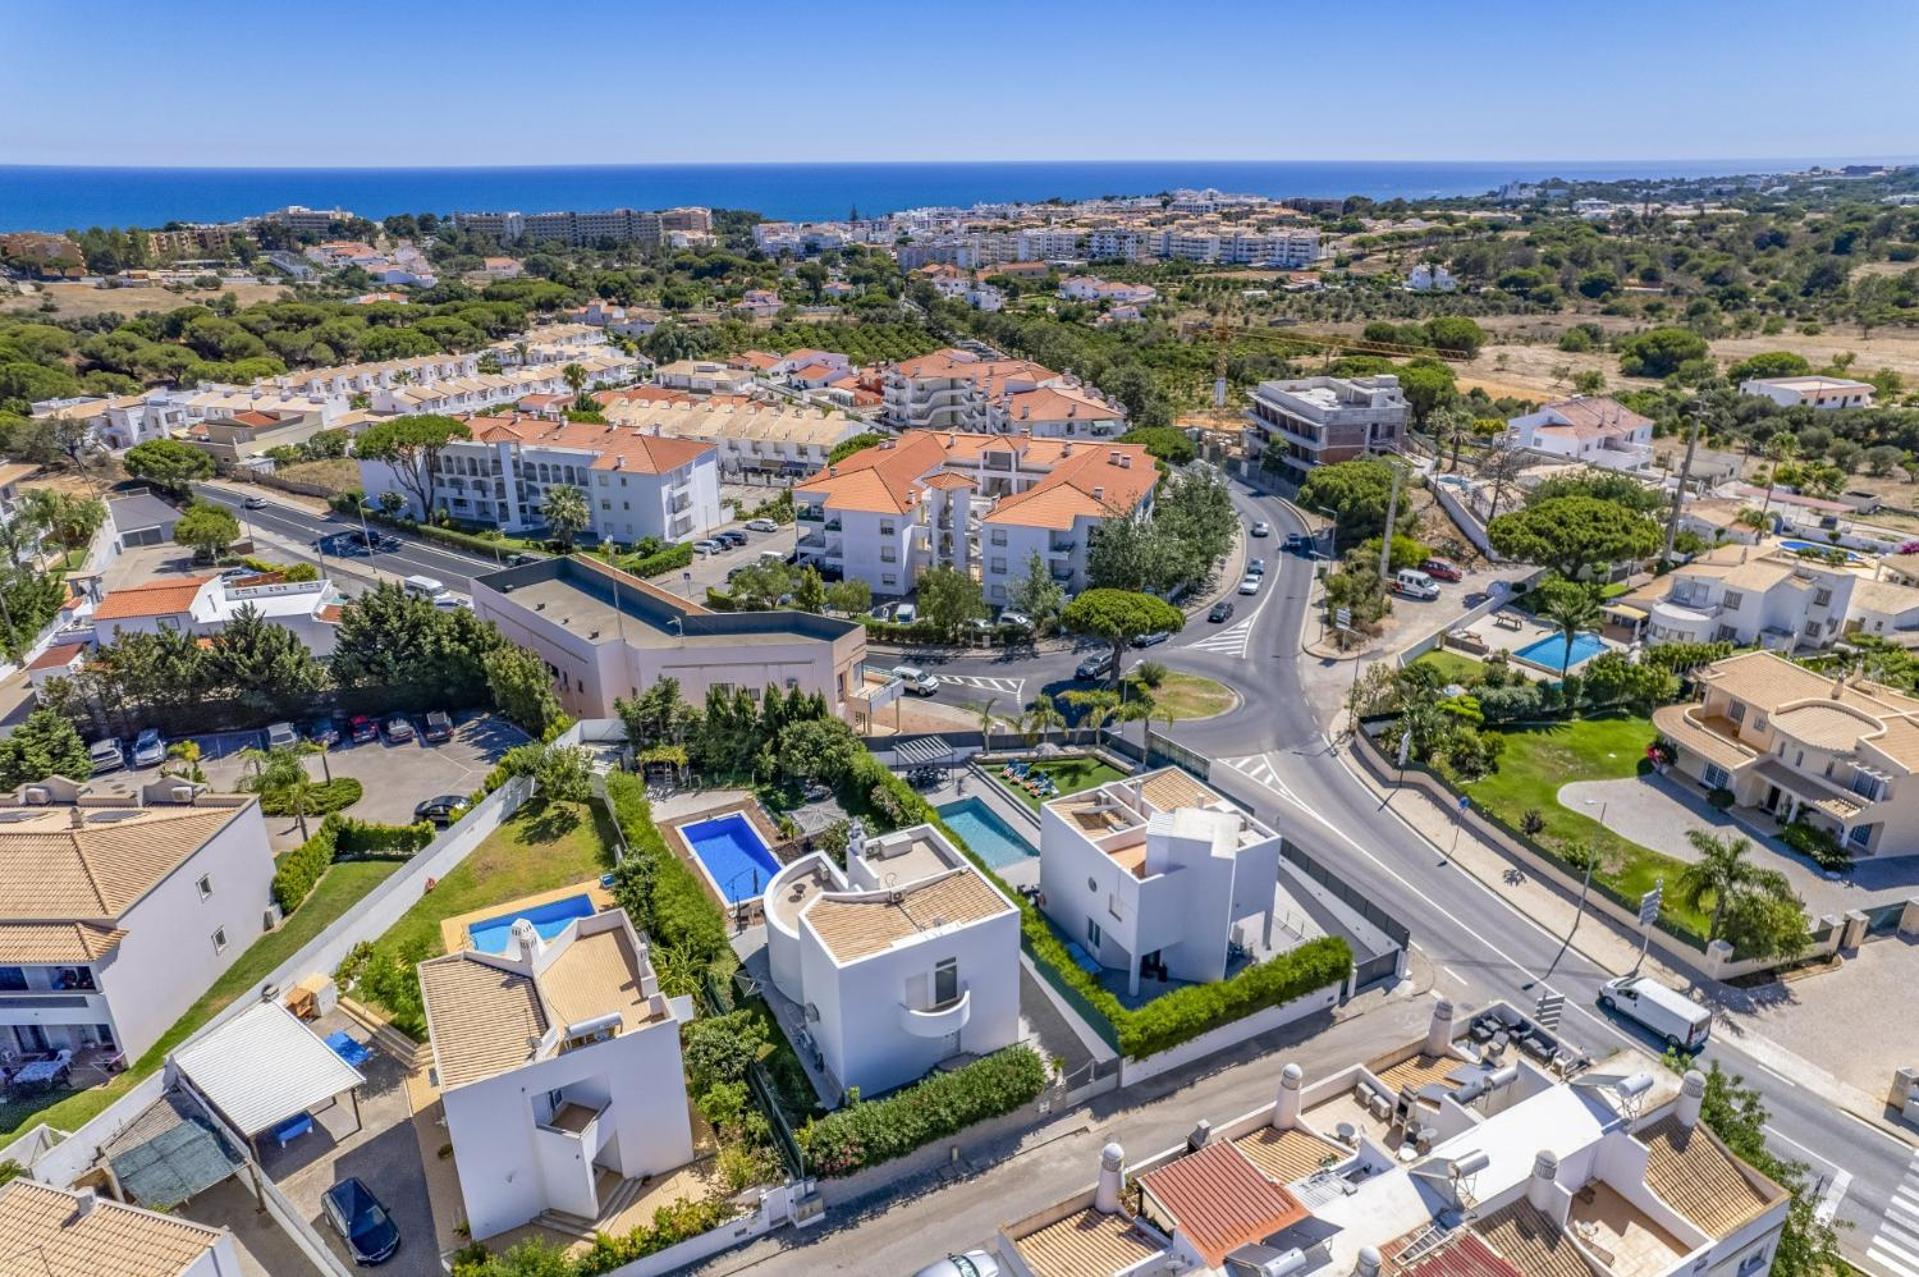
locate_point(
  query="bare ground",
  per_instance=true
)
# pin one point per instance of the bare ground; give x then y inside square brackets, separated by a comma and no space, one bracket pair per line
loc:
[80,300]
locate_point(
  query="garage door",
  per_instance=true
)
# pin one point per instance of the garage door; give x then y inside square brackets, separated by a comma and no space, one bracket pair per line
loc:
[141,536]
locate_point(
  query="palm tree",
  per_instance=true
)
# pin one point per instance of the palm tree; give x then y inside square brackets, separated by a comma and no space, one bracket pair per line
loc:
[575,378]
[1573,609]
[566,513]
[1720,874]
[184,756]
[279,772]
[986,722]
[1041,717]
[520,348]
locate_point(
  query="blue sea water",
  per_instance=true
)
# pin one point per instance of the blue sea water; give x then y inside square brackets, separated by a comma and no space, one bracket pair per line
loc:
[58,198]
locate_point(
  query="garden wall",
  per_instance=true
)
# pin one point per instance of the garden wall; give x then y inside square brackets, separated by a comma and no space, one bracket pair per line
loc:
[775,1207]
[1227,1035]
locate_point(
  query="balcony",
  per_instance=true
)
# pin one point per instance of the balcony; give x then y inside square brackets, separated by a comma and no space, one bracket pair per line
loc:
[809,513]
[939,1021]
[812,541]
[1062,547]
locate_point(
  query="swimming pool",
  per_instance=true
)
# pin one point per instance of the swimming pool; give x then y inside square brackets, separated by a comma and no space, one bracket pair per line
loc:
[549,919]
[980,827]
[1797,546]
[735,857]
[1550,652]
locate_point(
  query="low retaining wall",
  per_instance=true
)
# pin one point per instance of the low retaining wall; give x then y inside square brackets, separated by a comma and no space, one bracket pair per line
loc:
[1227,1035]
[775,1208]
[974,1141]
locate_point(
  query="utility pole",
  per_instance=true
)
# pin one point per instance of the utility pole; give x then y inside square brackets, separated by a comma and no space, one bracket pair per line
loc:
[1679,490]
[1392,513]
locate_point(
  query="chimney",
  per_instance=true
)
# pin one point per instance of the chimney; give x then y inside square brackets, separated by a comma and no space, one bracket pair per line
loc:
[1286,1111]
[1439,1030]
[1202,1136]
[1368,1264]
[83,1203]
[75,817]
[1112,1178]
[1099,494]
[1692,1093]
[526,943]
[1539,1189]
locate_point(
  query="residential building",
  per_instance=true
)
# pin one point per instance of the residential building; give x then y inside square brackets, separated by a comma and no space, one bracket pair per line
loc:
[479,390]
[1823,393]
[559,1069]
[960,390]
[1313,421]
[1158,873]
[1597,430]
[761,303]
[1088,288]
[504,227]
[905,959]
[1440,1158]
[140,518]
[248,434]
[203,605]
[298,217]
[618,225]
[501,267]
[11,476]
[119,913]
[704,376]
[978,503]
[1434,278]
[607,635]
[59,1232]
[1794,743]
[1059,412]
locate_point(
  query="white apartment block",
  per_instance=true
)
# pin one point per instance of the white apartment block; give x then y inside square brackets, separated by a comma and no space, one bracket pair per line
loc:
[1089,288]
[977,503]
[1052,244]
[751,439]
[1455,1155]
[905,959]
[1157,872]
[559,1067]
[621,225]
[1823,393]
[959,390]
[1597,430]
[1313,421]
[1771,597]
[637,485]
[122,910]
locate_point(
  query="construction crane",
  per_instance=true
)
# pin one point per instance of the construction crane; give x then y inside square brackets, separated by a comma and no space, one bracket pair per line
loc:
[1329,344]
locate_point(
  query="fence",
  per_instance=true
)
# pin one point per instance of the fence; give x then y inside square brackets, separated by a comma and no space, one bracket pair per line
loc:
[718,1000]
[1162,750]
[1381,965]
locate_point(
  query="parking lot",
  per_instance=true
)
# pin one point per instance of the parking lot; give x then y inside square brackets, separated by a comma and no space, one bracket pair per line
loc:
[711,569]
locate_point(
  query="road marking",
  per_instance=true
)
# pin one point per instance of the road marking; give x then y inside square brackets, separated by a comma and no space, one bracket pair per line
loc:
[1454,974]
[1884,1135]
[1005,686]
[1233,640]
[1257,768]
[1776,1073]
[1828,1208]
[1895,1246]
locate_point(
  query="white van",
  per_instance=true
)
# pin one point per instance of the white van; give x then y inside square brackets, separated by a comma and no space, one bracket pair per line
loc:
[917,680]
[425,587]
[1415,584]
[1683,1023]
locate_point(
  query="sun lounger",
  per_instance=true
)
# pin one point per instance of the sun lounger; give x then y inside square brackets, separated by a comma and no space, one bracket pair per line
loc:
[292,1129]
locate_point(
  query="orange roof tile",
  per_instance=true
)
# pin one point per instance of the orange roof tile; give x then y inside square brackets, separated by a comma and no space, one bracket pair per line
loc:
[155,598]
[619,447]
[56,656]
[1220,1201]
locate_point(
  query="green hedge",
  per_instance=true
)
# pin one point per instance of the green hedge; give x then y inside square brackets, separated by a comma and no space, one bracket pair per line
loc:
[685,915]
[673,1223]
[869,1133]
[492,546]
[340,837]
[367,838]
[322,799]
[671,559]
[296,873]
[892,632]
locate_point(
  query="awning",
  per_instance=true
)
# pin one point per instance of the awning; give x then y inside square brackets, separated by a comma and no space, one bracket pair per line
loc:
[264,1066]
[170,1154]
[921,750]
[1626,610]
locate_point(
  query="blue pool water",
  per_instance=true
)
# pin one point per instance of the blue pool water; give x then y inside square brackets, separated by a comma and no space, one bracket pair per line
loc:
[549,919]
[1550,652]
[735,855]
[1796,546]
[980,827]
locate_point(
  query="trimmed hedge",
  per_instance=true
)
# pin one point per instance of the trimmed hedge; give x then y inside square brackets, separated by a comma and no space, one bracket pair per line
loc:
[673,1223]
[492,546]
[672,558]
[872,1132]
[364,838]
[297,872]
[340,837]
[322,799]
[685,915]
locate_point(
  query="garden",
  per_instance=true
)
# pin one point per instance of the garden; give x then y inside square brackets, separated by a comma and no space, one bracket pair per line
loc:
[1068,776]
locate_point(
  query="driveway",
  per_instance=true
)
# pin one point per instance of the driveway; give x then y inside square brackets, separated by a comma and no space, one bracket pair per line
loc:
[711,569]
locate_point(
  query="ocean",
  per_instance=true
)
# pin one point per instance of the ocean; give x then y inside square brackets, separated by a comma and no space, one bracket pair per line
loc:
[56,199]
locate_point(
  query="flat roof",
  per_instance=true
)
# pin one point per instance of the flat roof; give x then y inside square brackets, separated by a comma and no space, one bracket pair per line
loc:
[263,1066]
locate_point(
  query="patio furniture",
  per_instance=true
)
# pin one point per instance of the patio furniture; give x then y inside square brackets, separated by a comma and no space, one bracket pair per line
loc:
[1505,622]
[344,1046]
[291,1129]
[37,1075]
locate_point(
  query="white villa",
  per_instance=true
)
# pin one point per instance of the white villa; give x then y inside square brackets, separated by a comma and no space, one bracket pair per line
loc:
[1594,429]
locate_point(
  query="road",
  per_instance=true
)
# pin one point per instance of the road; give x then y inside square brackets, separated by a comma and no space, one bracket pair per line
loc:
[1479,945]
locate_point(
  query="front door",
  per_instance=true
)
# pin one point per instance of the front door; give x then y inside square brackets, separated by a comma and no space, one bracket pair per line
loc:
[1772,799]
[31,1037]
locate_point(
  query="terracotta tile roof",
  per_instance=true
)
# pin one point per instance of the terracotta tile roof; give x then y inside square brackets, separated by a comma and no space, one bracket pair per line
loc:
[1285,1156]
[482,1020]
[990,375]
[1220,1201]
[41,1233]
[851,929]
[616,447]
[1530,1242]
[597,975]
[1594,416]
[1888,720]
[1086,1243]
[1466,1256]
[1700,1179]
[950,480]
[30,942]
[879,479]
[56,656]
[58,873]
[155,598]
[1088,481]
[1050,403]
[1417,1071]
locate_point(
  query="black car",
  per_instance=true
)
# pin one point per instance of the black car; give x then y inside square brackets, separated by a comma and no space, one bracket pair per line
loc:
[439,810]
[362,1222]
[1152,640]
[518,558]
[730,538]
[1222,610]
[1095,666]
[323,731]
[439,727]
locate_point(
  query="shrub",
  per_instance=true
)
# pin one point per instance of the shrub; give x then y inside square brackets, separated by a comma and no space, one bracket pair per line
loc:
[1719,799]
[677,911]
[867,1134]
[672,558]
[321,800]
[1531,823]
[1512,703]
[1817,844]
[295,874]
[340,838]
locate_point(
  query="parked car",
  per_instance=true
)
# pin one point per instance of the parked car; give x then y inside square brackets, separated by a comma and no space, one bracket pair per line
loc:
[324,731]
[281,736]
[520,558]
[240,573]
[761,525]
[362,728]
[107,756]
[1255,567]
[1250,585]
[1414,584]
[730,538]
[441,811]
[439,726]
[255,503]
[1671,1015]
[1442,569]
[1015,621]
[974,1263]
[399,729]
[1152,640]
[362,1222]
[1095,666]
[385,543]
[1262,529]
[149,748]
[917,680]
[1222,611]
[708,546]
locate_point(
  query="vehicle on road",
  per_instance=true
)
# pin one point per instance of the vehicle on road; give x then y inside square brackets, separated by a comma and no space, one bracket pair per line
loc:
[240,573]
[399,729]
[425,587]
[1413,584]
[362,728]
[1095,666]
[761,525]
[149,748]
[439,726]
[441,811]
[324,731]
[1442,570]
[281,736]
[1680,1022]
[385,543]
[362,1222]
[1255,567]
[255,503]
[520,558]
[730,538]
[772,558]
[106,756]
[1250,585]
[1222,611]
[917,680]
[707,546]
[1297,541]
[1152,640]
[1015,621]
[1262,529]
[974,1263]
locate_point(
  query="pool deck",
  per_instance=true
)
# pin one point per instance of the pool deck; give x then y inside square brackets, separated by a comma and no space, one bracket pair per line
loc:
[783,851]
[1500,638]
[453,933]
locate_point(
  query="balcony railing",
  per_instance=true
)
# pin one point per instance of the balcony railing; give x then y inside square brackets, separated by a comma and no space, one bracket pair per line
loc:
[939,1021]
[808,513]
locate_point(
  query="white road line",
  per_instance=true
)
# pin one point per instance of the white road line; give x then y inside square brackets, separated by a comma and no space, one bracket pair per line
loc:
[1776,1073]
[1828,1207]
[984,683]
[1896,1244]
[1787,1139]
[1454,974]
[1233,640]
[1884,1135]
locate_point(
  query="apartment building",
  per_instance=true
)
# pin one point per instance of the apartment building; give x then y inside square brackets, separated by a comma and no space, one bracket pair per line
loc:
[1157,874]
[60,1232]
[481,390]
[195,240]
[121,910]
[1823,393]
[618,225]
[1120,244]
[773,440]
[1052,244]
[1772,597]
[205,605]
[1313,421]
[606,634]
[704,377]
[505,227]
[905,959]
[1595,429]
[977,503]
[960,390]
[1456,1155]
[1797,745]
[559,1069]
[248,434]
[298,217]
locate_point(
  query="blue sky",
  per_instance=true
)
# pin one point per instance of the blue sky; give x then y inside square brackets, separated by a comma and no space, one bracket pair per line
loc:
[404,83]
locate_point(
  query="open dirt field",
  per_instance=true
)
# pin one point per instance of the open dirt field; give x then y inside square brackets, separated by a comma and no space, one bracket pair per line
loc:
[79,300]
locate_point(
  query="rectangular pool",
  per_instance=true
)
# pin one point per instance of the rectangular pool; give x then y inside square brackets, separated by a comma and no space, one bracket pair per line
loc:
[549,919]
[980,827]
[1550,652]
[733,854]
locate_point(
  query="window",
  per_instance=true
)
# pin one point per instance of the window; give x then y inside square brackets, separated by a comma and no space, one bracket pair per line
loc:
[889,554]
[1859,835]
[999,536]
[12,978]
[1736,711]
[1821,597]
[889,579]
[997,567]
[1759,722]
[205,885]
[886,528]
[1717,776]
[220,940]
[1092,934]
[946,982]
[998,593]
[1735,600]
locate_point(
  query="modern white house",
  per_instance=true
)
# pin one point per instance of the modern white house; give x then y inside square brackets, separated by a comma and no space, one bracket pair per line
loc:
[1090,288]
[204,605]
[1823,393]
[1158,872]
[1597,430]
[59,1231]
[1430,278]
[115,916]
[559,1069]
[1456,1156]
[906,958]
[1313,421]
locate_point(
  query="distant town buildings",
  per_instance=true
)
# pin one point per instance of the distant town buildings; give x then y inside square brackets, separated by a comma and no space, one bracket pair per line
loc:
[618,225]
[954,389]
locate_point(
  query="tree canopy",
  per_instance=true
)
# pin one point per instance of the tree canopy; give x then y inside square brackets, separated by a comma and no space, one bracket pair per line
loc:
[1118,617]
[1571,534]
[207,528]
[411,446]
[168,464]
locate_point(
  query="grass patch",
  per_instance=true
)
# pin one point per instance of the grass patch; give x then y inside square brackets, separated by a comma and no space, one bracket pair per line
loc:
[1453,667]
[342,887]
[1071,775]
[783,1065]
[1190,696]
[1539,760]
[538,849]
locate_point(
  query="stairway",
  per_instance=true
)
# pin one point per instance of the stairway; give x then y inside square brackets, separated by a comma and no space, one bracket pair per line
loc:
[624,1195]
[382,1036]
[560,1221]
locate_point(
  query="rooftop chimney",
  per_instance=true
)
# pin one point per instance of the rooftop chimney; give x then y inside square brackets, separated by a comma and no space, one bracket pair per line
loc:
[1368,1264]
[1539,1189]
[1202,1135]
[1112,1177]
[83,1203]
[526,943]
[1439,1030]
[1286,1111]
[1692,1093]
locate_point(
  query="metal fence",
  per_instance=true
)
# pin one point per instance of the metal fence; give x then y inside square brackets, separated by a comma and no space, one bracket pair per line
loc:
[1381,965]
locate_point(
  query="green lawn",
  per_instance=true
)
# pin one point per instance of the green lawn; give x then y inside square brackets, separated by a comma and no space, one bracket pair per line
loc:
[1190,696]
[1539,760]
[1453,667]
[537,850]
[342,887]
[1071,775]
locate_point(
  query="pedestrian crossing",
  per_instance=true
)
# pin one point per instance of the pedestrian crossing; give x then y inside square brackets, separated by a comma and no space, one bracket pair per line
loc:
[1256,767]
[985,683]
[1233,640]
[1895,1248]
